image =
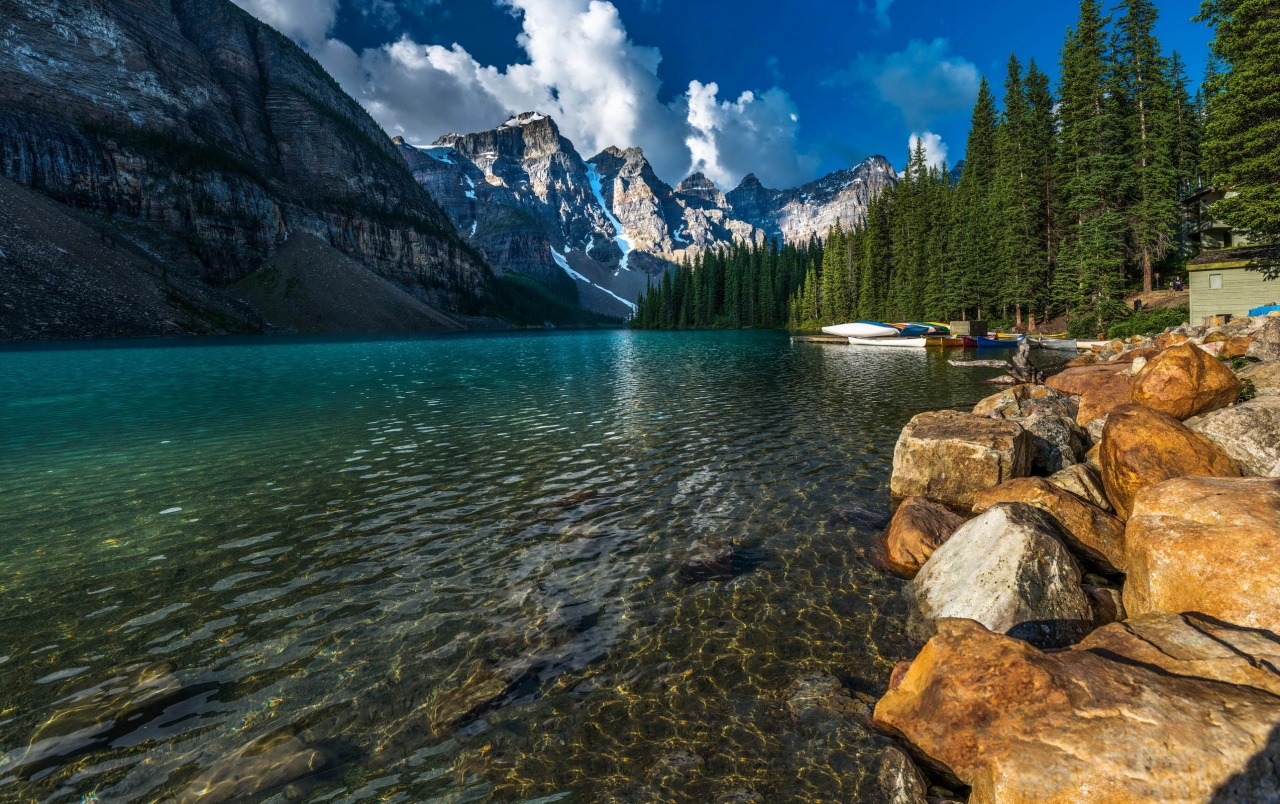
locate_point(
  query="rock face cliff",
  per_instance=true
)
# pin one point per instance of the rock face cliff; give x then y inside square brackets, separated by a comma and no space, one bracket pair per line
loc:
[524,197]
[206,138]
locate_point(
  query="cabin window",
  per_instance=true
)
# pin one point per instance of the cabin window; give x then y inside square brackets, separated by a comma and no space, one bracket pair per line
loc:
[1215,281]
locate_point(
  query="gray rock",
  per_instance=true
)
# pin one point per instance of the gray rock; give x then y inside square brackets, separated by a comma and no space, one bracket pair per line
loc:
[1085,482]
[1108,604]
[1009,570]
[1095,429]
[818,696]
[1266,341]
[1248,432]
[1264,376]
[900,780]
[1057,441]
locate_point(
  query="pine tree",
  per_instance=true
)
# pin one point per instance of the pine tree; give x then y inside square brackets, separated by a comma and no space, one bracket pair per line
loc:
[1150,130]
[1242,132]
[977,226]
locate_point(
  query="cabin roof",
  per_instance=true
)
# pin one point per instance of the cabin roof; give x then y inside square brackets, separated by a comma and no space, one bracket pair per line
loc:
[1243,257]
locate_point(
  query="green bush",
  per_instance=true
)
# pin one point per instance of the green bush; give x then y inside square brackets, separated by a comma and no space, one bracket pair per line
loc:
[1148,322]
[1085,328]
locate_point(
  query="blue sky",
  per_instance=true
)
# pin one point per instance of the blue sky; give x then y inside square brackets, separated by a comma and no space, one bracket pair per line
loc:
[829,83]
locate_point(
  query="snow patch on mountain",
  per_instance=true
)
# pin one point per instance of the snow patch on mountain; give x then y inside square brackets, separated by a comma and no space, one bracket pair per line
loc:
[624,242]
[564,265]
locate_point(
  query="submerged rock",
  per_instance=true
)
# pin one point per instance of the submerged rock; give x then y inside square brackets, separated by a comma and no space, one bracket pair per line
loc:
[95,715]
[1141,447]
[817,696]
[271,761]
[1152,710]
[1248,432]
[483,686]
[1009,570]
[1087,529]
[1185,381]
[918,528]
[719,561]
[948,456]
[1208,545]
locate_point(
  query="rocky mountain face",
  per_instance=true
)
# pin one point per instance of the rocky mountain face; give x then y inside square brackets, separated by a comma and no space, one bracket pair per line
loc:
[205,138]
[527,200]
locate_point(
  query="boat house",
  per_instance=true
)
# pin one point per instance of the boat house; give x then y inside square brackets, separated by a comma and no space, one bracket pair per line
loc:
[1233,281]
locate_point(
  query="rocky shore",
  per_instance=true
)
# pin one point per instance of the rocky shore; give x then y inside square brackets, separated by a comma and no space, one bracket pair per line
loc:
[1096,562]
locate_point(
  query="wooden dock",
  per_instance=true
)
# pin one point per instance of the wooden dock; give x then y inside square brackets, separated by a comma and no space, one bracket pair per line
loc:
[818,339]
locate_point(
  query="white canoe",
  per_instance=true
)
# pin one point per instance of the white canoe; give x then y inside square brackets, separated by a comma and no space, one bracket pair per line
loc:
[1061,344]
[862,329]
[916,343]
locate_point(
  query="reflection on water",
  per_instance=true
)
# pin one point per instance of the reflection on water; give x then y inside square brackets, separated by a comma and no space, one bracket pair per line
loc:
[447,569]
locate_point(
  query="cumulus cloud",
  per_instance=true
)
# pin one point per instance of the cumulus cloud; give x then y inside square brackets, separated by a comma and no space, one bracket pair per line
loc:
[935,150]
[924,82]
[583,69]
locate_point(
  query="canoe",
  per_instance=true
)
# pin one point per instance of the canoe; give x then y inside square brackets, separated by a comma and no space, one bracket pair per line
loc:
[932,328]
[997,342]
[914,343]
[945,342]
[914,330]
[1057,344]
[862,329]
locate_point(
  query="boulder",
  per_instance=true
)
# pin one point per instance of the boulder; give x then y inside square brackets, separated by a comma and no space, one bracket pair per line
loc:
[1248,432]
[1236,347]
[1087,529]
[1213,349]
[1057,442]
[899,779]
[1141,447]
[1083,481]
[1209,545]
[919,527]
[1146,352]
[1266,341]
[1101,388]
[1091,458]
[1151,710]
[1025,400]
[1009,570]
[1087,359]
[1216,336]
[1185,381]
[483,686]
[1264,376]
[1170,339]
[948,456]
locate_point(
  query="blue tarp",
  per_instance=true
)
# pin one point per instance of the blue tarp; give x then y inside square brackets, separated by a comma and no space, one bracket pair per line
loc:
[1264,310]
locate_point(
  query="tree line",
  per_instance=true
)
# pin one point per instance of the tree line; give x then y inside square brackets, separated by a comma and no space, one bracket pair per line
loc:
[1069,196]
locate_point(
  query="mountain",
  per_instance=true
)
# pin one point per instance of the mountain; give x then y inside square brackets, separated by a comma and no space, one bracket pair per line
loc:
[526,199]
[196,139]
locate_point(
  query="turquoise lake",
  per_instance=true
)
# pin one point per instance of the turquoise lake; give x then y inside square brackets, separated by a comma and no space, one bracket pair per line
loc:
[447,569]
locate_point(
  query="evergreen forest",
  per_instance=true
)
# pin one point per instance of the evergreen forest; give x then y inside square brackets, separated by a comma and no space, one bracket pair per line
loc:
[1068,198]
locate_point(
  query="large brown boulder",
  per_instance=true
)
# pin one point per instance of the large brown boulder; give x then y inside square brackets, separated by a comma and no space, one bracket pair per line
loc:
[948,456]
[1022,401]
[1141,447]
[1009,570]
[1101,388]
[1185,381]
[1248,432]
[1088,530]
[1187,719]
[1236,347]
[1170,339]
[919,527]
[1209,545]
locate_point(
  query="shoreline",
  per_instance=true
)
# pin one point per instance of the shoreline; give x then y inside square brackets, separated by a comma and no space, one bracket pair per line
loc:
[1090,562]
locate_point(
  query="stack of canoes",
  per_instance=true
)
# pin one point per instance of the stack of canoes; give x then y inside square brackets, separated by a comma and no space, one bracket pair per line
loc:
[917,334]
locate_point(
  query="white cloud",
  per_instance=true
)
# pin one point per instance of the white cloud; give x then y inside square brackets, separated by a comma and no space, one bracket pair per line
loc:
[307,21]
[935,150]
[582,68]
[924,82]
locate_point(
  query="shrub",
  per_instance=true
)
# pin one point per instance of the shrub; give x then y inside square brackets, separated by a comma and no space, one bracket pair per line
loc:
[1147,322]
